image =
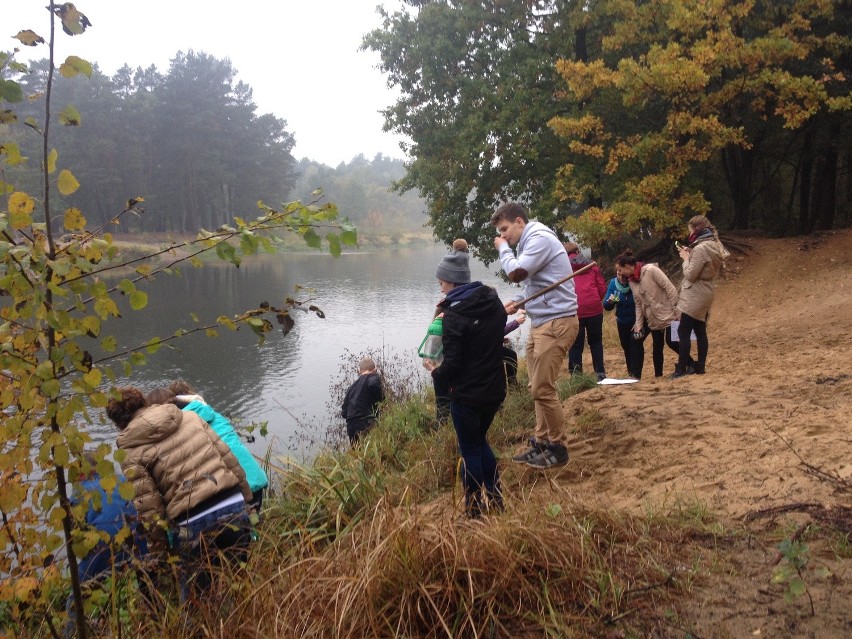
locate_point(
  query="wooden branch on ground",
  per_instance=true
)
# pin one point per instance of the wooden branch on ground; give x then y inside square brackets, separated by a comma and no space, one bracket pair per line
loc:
[786,508]
[820,474]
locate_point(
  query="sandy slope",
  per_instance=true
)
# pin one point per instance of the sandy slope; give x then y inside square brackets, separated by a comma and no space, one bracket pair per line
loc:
[763,440]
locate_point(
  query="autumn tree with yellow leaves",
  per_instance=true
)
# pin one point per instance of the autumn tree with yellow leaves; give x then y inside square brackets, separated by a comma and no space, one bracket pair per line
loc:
[617,119]
[680,87]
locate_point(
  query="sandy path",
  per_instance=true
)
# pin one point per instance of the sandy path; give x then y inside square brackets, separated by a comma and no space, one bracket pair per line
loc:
[748,440]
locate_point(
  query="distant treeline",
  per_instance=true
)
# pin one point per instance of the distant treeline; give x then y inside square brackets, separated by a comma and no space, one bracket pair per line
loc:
[192,143]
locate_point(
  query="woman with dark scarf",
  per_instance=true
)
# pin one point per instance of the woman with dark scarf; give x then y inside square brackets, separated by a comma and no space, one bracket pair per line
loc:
[702,261]
[656,304]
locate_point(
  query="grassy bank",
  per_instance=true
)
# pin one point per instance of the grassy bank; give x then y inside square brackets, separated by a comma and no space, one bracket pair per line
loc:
[371,543]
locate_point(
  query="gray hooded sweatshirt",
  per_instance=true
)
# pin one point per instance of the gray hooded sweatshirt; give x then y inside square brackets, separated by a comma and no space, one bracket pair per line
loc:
[542,256]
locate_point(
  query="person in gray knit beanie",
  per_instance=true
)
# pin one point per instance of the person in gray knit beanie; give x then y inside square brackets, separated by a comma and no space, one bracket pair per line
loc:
[454,267]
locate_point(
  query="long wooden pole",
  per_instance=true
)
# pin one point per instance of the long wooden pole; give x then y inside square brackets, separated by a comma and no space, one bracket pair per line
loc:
[521,303]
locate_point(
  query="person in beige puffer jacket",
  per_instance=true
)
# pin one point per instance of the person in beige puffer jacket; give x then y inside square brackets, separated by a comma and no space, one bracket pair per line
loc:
[656,303]
[702,261]
[186,479]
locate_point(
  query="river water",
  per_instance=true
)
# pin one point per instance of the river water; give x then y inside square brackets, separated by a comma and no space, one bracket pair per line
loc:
[374,302]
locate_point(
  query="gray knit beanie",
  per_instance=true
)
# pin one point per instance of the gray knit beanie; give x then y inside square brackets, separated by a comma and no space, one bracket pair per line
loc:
[454,266]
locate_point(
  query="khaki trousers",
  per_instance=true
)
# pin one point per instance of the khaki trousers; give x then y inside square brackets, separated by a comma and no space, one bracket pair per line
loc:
[546,349]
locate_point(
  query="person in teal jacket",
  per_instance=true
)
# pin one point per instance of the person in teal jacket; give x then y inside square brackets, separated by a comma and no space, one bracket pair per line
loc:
[187,399]
[618,296]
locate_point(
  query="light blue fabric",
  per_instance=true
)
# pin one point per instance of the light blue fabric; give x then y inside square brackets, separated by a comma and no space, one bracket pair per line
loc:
[542,256]
[625,307]
[255,476]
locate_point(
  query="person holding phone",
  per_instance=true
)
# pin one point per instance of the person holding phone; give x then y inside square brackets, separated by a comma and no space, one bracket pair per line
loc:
[702,261]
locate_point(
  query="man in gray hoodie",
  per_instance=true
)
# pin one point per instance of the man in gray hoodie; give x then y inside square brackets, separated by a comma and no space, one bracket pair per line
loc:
[540,261]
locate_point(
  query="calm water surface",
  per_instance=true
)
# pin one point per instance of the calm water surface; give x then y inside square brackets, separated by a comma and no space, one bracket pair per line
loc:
[379,302]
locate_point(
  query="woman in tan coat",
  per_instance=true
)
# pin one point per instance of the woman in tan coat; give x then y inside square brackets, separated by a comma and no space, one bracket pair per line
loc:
[189,486]
[656,304]
[702,261]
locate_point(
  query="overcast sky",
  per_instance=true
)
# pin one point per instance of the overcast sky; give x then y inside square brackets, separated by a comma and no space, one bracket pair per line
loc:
[300,57]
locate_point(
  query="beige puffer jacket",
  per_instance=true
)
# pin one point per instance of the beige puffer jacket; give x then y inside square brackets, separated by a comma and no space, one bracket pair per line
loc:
[655,297]
[699,270]
[175,461]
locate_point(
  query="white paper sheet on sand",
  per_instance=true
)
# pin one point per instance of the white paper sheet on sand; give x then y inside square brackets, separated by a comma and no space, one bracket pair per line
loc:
[609,381]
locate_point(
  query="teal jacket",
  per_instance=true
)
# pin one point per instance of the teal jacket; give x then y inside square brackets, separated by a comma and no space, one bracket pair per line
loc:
[255,476]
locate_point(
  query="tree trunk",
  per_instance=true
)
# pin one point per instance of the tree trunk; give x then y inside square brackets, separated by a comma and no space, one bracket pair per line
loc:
[738,164]
[581,51]
[806,169]
[827,185]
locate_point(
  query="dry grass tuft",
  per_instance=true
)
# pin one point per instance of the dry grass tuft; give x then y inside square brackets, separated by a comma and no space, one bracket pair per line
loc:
[408,571]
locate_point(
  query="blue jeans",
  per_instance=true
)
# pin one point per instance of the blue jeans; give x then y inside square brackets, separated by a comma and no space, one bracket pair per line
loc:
[480,466]
[208,541]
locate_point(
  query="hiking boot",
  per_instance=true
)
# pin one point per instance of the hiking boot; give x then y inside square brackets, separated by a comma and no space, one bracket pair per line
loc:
[678,372]
[549,456]
[525,456]
[698,369]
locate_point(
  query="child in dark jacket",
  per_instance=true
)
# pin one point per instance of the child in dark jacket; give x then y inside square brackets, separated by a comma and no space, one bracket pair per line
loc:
[361,404]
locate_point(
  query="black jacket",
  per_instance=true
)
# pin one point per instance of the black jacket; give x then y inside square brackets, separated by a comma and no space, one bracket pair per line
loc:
[474,323]
[363,398]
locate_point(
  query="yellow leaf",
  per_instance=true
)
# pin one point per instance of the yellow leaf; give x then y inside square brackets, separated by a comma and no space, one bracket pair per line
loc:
[51,161]
[74,220]
[29,38]
[126,490]
[108,483]
[69,116]
[20,202]
[24,586]
[93,378]
[21,207]
[67,183]
[74,65]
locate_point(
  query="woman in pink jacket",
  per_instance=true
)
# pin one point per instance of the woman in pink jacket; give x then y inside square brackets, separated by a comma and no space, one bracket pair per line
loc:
[591,288]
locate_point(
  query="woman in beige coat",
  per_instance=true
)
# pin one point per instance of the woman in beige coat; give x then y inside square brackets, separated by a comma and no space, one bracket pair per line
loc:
[656,304]
[189,486]
[702,261]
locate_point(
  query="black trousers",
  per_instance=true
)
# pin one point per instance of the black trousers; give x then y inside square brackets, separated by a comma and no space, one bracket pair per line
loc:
[357,427]
[591,329]
[660,338]
[684,332]
[634,350]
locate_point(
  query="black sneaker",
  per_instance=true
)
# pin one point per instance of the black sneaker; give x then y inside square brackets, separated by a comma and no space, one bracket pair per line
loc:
[525,456]
[549,456]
